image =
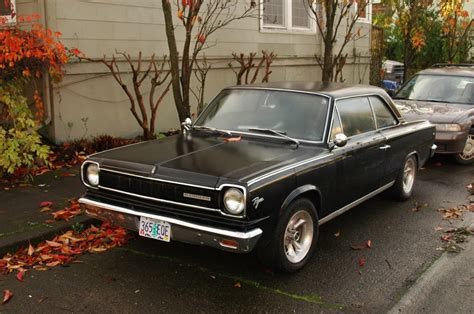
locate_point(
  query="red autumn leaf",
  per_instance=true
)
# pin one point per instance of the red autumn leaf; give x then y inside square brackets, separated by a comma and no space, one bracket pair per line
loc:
[446,238]
[362,262]
[46,204]
[20,275]
[7,295]
[67,174]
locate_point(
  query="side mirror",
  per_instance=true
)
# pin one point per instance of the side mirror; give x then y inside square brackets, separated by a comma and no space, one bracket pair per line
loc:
[340,140]
[186,124]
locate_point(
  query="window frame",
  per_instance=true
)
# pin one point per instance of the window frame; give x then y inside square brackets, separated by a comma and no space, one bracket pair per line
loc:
[371,110]
[9,19]
[287,28]
[368,12]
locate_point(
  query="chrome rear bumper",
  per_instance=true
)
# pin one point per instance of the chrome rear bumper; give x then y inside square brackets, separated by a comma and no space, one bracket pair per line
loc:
[182,231]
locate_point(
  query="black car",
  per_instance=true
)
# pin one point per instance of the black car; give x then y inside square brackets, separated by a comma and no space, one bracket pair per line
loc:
[261,168]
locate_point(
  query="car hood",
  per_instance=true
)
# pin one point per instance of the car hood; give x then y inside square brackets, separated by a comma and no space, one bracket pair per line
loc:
[433,112]
[206,160]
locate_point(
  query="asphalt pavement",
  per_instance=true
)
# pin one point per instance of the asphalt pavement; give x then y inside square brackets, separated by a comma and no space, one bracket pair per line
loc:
[405,254]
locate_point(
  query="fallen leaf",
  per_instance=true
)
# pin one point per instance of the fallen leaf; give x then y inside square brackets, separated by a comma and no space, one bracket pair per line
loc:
[20,275]
[438,228]
[53,244]
[446,238]
[53,264]
[45,209]
[67,174]
[31,250]
[369,244]
[233,139]
[7,295]
[237,285]
[358,246]
[41,300]
[362,262]
[46,204]
[337,234]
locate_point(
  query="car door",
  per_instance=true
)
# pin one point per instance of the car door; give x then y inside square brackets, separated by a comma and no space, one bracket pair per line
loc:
[361,168]
[387,123]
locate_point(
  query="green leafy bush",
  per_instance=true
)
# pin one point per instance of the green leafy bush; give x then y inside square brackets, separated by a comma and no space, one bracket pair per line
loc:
[20,143]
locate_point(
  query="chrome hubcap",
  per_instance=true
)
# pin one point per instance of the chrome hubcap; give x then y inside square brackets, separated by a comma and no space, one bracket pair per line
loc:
[409,175]
[298,236]
[468,152]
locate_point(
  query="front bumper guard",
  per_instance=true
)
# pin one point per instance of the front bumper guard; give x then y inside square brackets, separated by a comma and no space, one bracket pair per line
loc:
[181,230]
[433,149]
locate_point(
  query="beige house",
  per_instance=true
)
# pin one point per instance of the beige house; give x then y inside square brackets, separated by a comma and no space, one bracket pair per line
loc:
[89,101]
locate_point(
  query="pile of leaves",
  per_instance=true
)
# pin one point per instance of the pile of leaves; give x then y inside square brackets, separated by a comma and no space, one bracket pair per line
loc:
[63,249]
[66,213]
[455,212]
[453,237]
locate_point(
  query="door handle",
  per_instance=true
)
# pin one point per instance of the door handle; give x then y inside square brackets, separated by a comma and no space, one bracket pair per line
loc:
[385,147]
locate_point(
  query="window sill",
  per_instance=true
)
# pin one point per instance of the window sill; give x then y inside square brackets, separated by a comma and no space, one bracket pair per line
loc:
[278,30]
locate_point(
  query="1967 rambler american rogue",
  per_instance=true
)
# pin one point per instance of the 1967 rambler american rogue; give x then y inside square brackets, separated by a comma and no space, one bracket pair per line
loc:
[261,168]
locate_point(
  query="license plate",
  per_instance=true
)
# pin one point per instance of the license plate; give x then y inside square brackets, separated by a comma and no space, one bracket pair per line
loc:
[155,229]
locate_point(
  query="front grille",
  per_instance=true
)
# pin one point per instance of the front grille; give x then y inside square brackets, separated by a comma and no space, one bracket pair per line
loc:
[160,190]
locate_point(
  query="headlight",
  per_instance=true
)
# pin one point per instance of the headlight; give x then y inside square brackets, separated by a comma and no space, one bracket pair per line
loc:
[92,174]
[234,201]
[448,127]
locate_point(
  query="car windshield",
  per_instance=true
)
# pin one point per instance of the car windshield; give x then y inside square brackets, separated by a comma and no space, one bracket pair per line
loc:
[296,115]
[439,88]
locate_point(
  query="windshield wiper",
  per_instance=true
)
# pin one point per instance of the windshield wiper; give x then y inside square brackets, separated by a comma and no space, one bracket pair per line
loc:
[208,128]
[279,133]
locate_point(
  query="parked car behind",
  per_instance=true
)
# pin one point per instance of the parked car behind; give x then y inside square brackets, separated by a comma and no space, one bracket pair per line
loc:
[444,95]
[262,168]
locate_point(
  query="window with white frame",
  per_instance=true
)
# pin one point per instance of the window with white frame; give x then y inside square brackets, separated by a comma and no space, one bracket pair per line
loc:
[366,13]
[286,15]
[7,9]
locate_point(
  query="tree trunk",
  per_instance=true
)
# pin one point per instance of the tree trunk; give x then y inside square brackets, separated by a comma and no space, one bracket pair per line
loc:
[174,61]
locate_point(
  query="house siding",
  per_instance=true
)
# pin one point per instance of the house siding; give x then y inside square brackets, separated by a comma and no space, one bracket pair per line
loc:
[89,101]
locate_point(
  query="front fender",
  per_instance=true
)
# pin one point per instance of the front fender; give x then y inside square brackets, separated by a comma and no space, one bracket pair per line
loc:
[312,190]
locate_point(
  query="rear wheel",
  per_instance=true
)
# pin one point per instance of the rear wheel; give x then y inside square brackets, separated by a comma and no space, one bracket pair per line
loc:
[295,238]
[466,157]
[403,187]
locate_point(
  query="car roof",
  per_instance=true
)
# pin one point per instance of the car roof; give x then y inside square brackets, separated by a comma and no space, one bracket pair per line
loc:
[450,70]
[334,90]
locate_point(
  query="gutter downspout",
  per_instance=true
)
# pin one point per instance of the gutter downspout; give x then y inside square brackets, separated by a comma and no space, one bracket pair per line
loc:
[46,82]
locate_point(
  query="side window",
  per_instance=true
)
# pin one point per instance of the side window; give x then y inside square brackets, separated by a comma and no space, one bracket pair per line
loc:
[336,125]
[356,115]
[383,115]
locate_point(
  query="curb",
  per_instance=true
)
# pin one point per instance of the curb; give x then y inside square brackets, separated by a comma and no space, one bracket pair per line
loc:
[47,234]
[445,266]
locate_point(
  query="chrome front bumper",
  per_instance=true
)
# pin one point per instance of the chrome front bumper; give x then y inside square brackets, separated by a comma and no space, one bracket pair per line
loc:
[182,231]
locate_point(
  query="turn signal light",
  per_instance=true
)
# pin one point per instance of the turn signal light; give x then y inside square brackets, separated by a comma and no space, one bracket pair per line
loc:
[232,244]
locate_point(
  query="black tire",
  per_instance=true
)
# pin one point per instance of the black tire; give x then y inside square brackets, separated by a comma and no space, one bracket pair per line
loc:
[400,190]
[467,156]
[275,253]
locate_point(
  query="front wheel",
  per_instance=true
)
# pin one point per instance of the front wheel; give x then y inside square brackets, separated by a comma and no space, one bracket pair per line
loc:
[466,157]
[403,187]
[295,238]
